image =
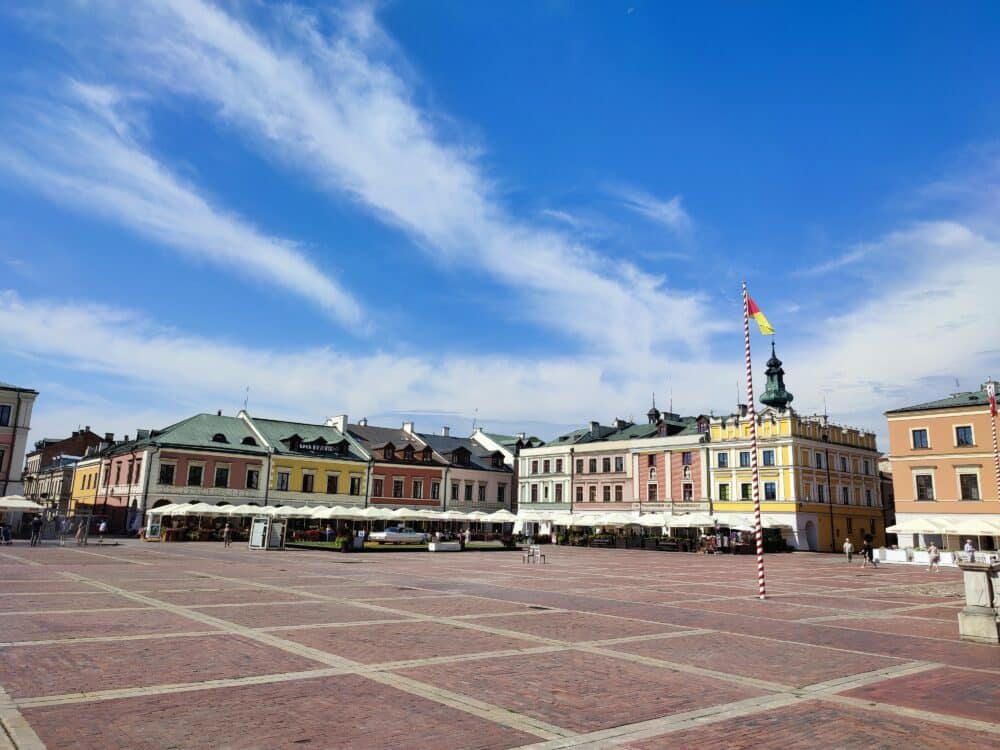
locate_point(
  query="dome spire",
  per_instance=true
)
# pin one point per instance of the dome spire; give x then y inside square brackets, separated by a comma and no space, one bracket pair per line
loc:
[775,395]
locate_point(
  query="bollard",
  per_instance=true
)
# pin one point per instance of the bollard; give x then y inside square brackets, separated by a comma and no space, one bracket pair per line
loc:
[979,621]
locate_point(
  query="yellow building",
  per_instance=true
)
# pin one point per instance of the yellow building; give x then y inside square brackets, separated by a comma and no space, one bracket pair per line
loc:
[86,481]
[312,463]
[819,481]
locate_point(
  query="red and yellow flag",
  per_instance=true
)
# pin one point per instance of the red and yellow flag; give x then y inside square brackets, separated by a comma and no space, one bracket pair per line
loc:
[754,312]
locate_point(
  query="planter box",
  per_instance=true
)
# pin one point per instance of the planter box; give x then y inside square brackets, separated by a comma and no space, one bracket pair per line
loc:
[444,547]
[896,555]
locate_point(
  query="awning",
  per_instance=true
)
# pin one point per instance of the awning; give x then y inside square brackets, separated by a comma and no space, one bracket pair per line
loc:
[19,502]
[918,526]
[692,521]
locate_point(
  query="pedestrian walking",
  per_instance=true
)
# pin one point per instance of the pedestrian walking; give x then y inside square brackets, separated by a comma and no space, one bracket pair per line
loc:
[36,531]
[83,531]
[933,559]
[848,550]
[227,535]
[65,526]
[866,553]
[970,550]
[102,529]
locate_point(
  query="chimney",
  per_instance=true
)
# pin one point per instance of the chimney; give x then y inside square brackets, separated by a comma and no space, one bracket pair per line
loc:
[218,413]
[363,422]
[446,431]
[124,438]
[87,428]
[141,434]
[109,437]
[621,424]
[743,410]
[408,427]
[339,422]
[521,435]
[594,427]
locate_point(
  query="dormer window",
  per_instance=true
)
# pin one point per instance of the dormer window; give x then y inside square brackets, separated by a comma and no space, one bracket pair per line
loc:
[248,441]
[427,455]
[497,460]
[219,438]
[387,453]
[408,453]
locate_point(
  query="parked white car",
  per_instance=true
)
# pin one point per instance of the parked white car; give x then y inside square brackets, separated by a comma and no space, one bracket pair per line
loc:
[399,535]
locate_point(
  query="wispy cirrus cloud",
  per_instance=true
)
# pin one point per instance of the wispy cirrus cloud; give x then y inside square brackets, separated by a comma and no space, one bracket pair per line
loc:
[834,264]
[81,150]
[336,106]
[670,213]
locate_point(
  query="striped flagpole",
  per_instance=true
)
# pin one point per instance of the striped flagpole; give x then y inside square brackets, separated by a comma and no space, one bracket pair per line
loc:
[991,390]
[759,532]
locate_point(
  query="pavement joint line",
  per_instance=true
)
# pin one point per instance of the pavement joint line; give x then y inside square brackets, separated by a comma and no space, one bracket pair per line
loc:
[470,705]
[109,557]
[72,611]
[613,736]
[22,560]
[109,638]
[850,682]
[15,727]
[6,594]
[318,625]
[648,637]
[922,714]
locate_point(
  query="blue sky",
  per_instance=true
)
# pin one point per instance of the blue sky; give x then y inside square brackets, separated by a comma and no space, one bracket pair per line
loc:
[530,213]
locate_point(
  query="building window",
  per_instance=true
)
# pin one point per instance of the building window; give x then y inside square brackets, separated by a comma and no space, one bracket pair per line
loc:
[534,493]
[219,438]
[723,460]
[969,485]
[687,492]
[592,494]
[332,480]
[651,493]
[418,489]
[377,488]
[4,415]
[545,493]
[850,525]
[770,491]
[606,465]
[845,496]
[194,475]
[686,458]
[868,467]
[744,458]
[963,435]
[619,463]
[592,466]
[652,474]
[534,466]
[387,453]
[618,493]
[843,463]
[821,493]
[919,438]
[925,486]
[579,494]
[579,466]
[435,490]
[221,476]
[724,492]
[308,482]
[559,492]
[545,466]
[819,460]
[355,485]
[282,480]
[651,460]
[253,479]
[167,473]
[501,493]
[397,488]
[868,498]
[559,466]
[767,458]
[606,493]
[687,472]
[746,491]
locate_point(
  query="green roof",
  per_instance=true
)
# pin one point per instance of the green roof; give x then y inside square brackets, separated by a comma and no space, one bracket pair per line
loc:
[276,432]
[204,431]
[955,400]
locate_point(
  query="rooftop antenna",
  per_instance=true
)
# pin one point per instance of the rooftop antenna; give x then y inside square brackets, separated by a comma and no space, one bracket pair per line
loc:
[958,387]
[671,399]
[246,398]
[825,412]
[475,418]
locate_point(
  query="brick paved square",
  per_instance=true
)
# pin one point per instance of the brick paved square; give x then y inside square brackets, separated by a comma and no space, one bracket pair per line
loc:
[55,602]
[453,606]
[307,612]
[920,626]
[61,586]
[50,626]
[375,644]
[227,596]
[791,664]
[575,627]
[580,691]
[52,669]
[971,695]
[336,712]
[818,725]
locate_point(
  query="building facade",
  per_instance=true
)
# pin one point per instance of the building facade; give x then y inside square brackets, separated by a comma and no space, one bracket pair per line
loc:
[15,422]
[477,478]
[943,466]
[48,452]
[404,471]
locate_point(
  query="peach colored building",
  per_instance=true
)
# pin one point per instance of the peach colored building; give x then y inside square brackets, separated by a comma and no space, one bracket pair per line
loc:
[943,470]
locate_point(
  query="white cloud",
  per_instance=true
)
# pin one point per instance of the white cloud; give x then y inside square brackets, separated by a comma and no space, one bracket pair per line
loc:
[669,213]
[834,264]
[332,107]
[81,152]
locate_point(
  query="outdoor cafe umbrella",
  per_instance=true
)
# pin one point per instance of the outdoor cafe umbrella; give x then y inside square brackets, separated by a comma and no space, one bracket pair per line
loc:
[19,502]
[652,520]
[502,516]
[692,521]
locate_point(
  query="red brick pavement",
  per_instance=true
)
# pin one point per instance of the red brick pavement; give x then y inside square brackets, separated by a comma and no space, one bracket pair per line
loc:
[93,624]
[312,612]
[818,725]
[580,691]
[576,627]
[332,712]
[48,602]
[957,692]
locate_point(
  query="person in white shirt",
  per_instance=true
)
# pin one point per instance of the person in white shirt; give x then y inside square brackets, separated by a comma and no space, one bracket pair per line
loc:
[970,550]
[848,549]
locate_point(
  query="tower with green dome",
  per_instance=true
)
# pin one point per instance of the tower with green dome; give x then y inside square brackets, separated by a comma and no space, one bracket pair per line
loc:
[775,395]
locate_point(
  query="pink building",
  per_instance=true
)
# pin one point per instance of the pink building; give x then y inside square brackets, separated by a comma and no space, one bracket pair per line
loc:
[15,421]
